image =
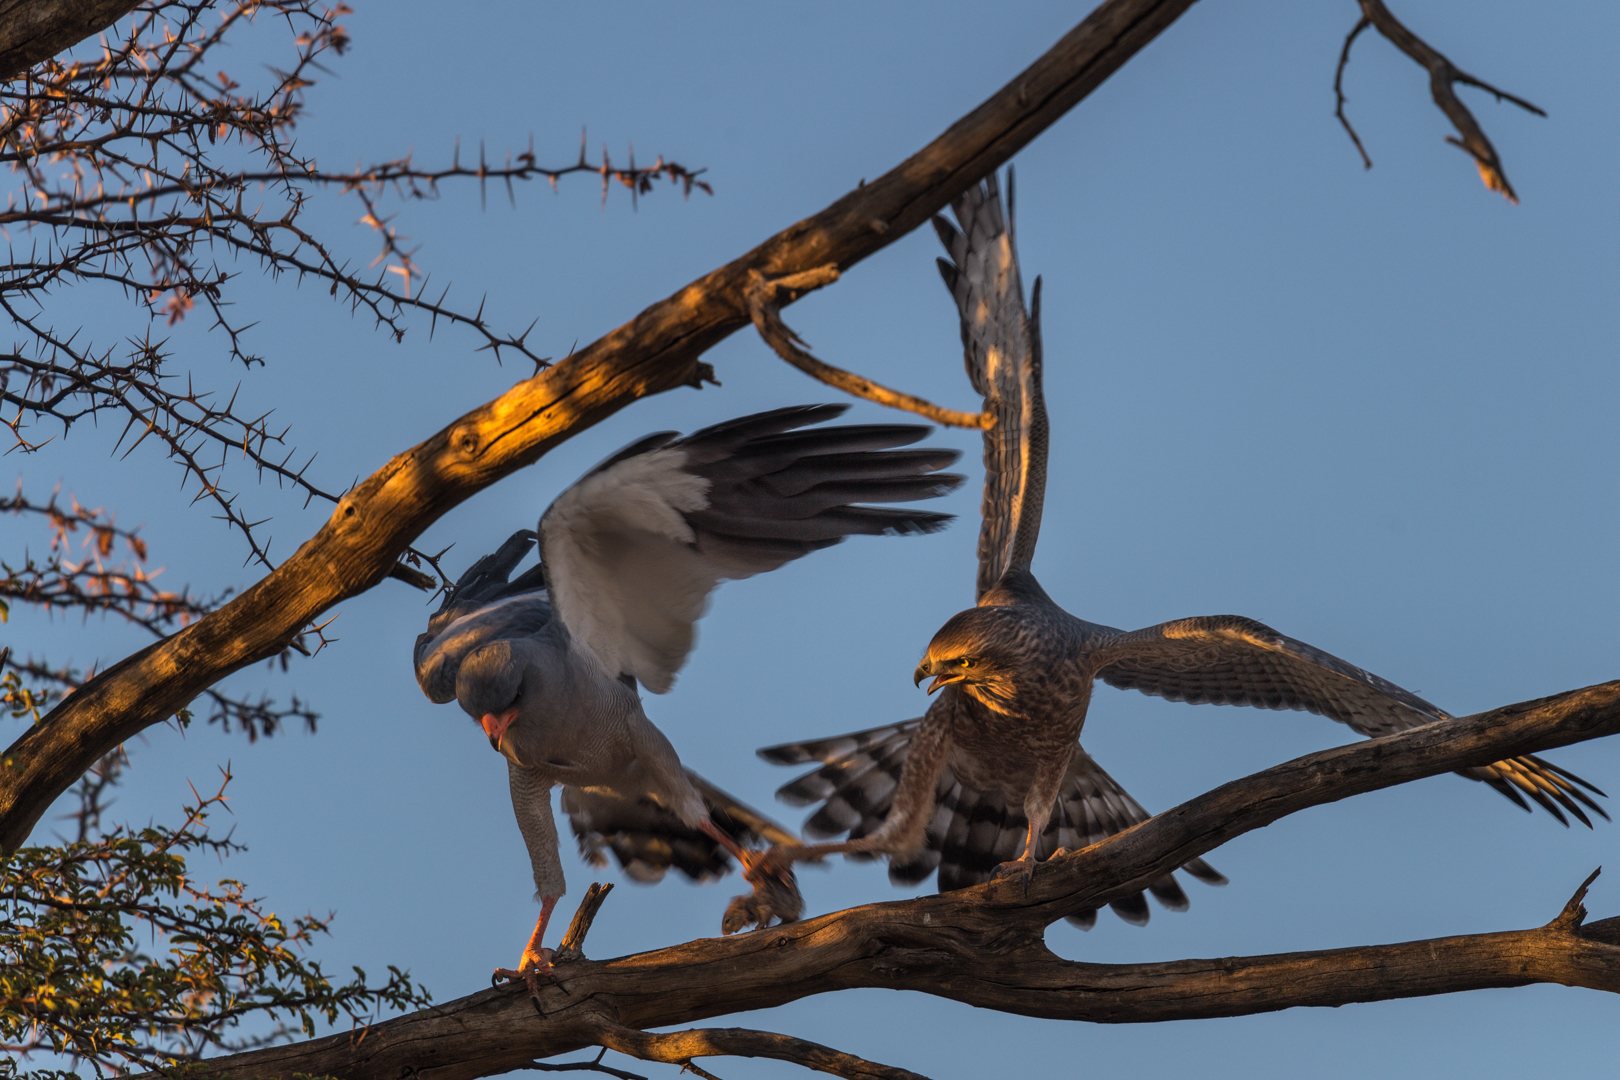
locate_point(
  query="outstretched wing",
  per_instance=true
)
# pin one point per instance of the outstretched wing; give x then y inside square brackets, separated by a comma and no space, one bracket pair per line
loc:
[972,831]
[482,607]
[636,546]
[646,839]
[1232,660]
[1001,345]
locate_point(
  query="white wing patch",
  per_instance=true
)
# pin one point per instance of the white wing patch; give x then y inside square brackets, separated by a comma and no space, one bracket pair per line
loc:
[625,578]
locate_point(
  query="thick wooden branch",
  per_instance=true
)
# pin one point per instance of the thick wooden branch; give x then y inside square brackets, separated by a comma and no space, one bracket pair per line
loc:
[985,946]
[1443,77]
[656,351]
[35,30]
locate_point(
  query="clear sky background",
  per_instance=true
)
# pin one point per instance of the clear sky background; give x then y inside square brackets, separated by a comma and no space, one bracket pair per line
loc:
[1372,409]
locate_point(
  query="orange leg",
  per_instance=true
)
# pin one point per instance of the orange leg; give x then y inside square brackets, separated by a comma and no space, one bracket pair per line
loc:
[536,962]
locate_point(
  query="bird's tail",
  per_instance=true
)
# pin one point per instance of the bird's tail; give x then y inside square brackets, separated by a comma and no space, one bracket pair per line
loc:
[972,831]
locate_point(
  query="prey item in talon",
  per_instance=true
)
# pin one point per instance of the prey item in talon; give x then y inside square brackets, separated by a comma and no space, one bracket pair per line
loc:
[775,896]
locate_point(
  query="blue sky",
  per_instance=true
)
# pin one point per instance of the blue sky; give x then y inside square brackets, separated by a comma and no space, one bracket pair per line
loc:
[1373,409]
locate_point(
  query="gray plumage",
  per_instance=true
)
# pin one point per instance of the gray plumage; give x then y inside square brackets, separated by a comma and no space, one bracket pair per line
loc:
[994,774]
[549,663]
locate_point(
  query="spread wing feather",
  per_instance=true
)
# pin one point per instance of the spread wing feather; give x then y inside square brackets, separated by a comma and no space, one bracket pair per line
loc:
[635,548]
[1232,660]
[1001,345]
[972,831]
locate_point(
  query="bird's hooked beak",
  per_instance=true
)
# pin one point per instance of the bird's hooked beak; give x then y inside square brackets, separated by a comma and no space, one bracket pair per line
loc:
[943,678]
[495,725]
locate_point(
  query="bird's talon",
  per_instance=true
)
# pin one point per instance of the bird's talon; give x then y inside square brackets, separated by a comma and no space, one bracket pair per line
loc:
[1026,867]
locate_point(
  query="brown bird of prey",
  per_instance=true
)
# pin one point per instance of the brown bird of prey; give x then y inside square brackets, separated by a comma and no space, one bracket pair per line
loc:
[549,663]
[993,779]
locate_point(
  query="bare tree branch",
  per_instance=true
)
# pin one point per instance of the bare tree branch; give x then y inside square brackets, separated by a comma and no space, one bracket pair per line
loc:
[35,30]
[680,1047]
[1443,77]
[765,299]
[656,351]
[985,946]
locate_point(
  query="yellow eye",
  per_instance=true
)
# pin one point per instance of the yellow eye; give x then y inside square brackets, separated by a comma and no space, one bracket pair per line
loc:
[966,661]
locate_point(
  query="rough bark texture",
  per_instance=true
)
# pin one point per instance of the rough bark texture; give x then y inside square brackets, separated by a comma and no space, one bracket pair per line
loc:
[35,30]
[656,351]
[985,945]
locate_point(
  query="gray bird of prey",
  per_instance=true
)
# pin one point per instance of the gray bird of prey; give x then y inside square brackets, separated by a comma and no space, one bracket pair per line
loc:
[549,663]
[993,779]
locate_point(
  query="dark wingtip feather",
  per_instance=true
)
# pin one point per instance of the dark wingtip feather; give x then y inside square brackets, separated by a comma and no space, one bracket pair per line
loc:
[1507,790]
[1133,909]
[1567,775]
[1204,872]
[1168,893]
[785,754]
[1084,920]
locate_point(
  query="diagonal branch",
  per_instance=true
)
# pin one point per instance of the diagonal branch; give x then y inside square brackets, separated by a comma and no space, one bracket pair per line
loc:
[656,351]
[984,946]
[1443,77]
[765,299]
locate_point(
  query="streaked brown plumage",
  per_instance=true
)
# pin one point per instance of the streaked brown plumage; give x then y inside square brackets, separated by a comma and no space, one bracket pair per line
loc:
[993,775]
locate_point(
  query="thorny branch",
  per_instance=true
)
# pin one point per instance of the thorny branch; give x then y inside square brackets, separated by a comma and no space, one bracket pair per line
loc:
[47,685]
[91,586]
[765,297]
[140,173]
[1443,77]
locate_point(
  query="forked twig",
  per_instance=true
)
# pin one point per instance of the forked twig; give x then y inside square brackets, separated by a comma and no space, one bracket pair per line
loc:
[1443,77]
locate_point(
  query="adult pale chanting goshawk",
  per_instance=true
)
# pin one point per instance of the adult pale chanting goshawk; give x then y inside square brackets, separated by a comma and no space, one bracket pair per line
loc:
[549,663]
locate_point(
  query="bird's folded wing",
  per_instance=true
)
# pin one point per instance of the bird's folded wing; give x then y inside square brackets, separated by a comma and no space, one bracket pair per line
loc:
[1001,346]
[482,607]
[634,549]
[1232,660]
[647,840]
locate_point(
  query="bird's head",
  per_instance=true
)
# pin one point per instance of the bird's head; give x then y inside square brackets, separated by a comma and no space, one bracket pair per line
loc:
[976,649]
[490,686]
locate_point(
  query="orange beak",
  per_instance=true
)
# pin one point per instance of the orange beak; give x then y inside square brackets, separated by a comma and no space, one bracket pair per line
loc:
[495,726]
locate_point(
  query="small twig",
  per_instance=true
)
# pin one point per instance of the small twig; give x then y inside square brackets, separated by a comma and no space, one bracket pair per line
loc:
[1338,88]
[1442,79]
[595,1065]
[1574,912]
[680,1047]
[764,296]
[573,942]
